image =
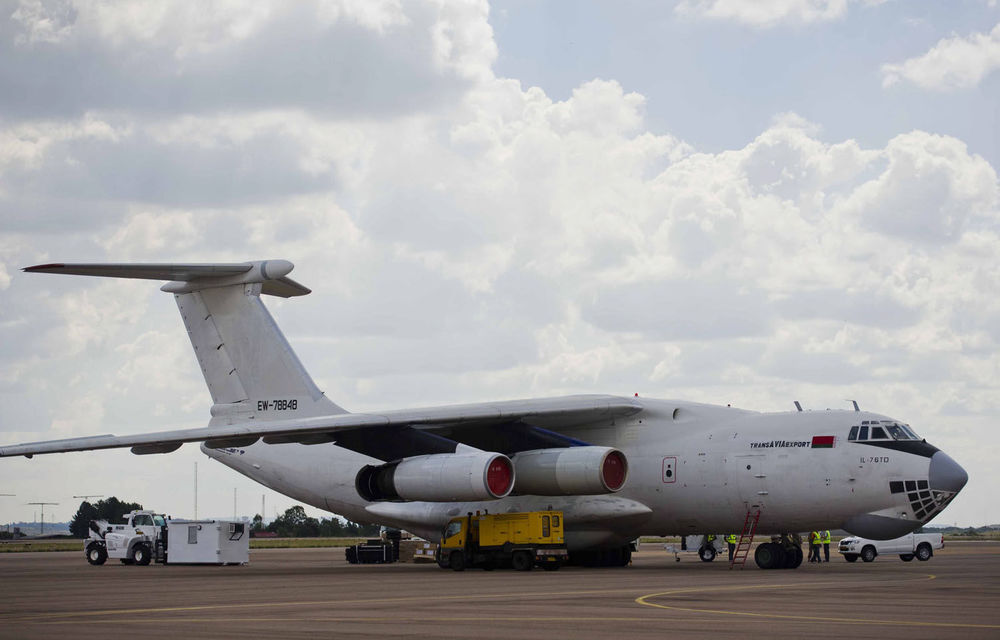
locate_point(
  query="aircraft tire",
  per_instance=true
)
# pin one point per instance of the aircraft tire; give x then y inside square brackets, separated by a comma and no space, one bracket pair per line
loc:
[457,561]
[868,554]
[769,556]
[924,552]
[96,554]
[707,554]
[793,558]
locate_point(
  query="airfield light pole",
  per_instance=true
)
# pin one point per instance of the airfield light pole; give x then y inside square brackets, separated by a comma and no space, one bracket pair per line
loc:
[42,506]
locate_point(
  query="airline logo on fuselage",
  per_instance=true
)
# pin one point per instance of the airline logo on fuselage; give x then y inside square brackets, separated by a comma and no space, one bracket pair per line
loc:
[817,442]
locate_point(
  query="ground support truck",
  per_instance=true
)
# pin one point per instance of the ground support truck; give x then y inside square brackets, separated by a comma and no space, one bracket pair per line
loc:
[147,537]
[518,540]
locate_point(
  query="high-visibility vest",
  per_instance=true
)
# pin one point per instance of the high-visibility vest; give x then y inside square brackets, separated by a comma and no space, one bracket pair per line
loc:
[814,537]
[709,538]
[826,537]
[731,538]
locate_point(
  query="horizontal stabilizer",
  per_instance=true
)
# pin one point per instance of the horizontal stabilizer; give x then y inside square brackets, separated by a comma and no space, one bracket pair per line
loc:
[188,277]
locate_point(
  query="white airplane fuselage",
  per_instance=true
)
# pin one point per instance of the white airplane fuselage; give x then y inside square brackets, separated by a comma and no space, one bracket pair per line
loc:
[693,468]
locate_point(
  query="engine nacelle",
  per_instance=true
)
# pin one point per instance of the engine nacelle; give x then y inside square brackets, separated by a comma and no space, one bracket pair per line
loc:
[444,477]
[570,471]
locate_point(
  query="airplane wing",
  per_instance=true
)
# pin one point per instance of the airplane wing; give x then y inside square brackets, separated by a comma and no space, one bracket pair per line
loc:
[557,412]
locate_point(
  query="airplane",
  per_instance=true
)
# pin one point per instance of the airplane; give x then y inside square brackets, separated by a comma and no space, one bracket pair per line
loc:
[617,467]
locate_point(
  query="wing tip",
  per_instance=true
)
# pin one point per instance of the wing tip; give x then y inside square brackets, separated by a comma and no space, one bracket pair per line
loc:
[44,267]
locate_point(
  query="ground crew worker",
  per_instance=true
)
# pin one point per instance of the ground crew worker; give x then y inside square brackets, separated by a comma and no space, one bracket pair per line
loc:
[814,539]
[731,541]
[825,539]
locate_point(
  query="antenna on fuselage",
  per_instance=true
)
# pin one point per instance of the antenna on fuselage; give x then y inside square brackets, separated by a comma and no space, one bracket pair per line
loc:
[797,405]
[855,403]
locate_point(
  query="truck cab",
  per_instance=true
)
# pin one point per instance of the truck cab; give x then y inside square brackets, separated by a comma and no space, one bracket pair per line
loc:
[136,541]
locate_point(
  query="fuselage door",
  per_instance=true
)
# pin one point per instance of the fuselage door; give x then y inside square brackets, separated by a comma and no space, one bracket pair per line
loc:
[748,475]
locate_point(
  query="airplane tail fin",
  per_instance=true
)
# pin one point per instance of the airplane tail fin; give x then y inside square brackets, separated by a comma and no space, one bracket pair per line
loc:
[249,367]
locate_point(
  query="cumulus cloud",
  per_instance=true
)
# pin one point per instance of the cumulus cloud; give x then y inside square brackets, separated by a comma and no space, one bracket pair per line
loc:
[769,13]
[958,62]
[467,237]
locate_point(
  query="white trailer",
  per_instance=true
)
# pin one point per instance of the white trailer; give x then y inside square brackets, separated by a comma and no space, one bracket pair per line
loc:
[146,537]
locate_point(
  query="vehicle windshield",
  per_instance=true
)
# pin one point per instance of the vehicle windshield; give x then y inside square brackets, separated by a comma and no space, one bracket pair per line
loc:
[159,521]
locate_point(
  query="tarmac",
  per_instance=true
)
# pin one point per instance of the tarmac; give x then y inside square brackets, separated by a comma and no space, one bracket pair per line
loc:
[314,593]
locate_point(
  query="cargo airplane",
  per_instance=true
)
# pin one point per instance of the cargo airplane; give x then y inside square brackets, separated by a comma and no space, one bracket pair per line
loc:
[618,467]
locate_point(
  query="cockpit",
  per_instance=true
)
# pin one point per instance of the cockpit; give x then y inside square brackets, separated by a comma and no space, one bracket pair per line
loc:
[881,430]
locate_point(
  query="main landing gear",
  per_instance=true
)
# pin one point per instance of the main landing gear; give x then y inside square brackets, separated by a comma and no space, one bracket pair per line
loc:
[783,552]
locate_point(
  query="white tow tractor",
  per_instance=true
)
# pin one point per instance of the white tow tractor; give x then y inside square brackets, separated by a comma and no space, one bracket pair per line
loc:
[146,537]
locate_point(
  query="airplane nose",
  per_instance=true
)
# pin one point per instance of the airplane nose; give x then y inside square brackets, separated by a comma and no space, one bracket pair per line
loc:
[945,474]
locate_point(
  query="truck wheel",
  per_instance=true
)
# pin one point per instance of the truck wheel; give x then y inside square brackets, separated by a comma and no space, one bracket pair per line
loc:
[96,554]
[457,561]
[924,552]
[140,554]
[522,561]
[868,554]
[850,557]
[707,554]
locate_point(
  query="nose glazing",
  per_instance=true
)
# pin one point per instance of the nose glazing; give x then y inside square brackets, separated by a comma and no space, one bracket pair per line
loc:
[945,474]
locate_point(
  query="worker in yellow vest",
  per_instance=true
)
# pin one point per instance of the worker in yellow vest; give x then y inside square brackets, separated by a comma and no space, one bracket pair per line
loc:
[825,539]
[731,541]
[814,539]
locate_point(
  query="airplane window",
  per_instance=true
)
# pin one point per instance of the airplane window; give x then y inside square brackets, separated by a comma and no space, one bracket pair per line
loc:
[854,434]
[897,432]
[863,433]
[910,431]
[878,433]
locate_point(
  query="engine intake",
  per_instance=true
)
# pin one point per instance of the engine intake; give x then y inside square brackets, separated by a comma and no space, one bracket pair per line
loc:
[442,477]
[570,471]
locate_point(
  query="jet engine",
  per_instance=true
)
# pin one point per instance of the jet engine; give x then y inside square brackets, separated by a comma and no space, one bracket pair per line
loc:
[443,477]
[570,471]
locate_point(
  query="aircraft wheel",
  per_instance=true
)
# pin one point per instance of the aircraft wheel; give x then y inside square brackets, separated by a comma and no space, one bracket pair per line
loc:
[767,556]
[626,558]
[96,554]
[707,554]
[457,561]
[868,554]
[924,552]
[793,557]
[522,561]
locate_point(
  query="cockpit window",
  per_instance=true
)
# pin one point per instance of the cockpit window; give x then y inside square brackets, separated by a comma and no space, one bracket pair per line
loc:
[863,433]
[878,433]
[910,431]
[854,434]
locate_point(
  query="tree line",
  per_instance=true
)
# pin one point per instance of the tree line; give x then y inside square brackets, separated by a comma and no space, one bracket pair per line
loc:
[294,523]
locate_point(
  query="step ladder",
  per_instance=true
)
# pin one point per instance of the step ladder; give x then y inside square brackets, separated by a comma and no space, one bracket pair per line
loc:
[746,539]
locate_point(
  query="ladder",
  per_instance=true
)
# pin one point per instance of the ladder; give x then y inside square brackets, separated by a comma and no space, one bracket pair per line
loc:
[746,539]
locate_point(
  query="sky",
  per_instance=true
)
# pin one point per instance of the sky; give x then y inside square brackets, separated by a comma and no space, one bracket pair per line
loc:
[726,201]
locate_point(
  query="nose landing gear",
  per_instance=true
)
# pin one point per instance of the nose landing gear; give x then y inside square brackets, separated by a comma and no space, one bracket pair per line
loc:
[783,552]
